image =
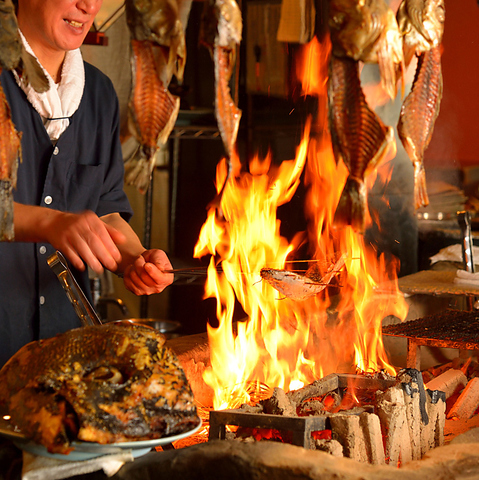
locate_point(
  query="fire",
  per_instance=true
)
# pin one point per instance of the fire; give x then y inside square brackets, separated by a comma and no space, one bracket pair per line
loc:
[282,342]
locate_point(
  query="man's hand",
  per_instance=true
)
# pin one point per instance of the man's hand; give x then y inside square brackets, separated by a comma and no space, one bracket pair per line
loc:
[83,238]
[99,242]
[146,274]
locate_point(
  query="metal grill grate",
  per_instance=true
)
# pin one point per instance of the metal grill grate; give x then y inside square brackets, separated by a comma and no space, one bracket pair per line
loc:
[451,328]
[448,329]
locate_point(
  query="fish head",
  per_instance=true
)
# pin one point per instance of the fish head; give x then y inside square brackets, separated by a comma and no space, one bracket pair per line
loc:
[434,18]
[221,24]
[10,42]
[230,23]
[421,23]
[154,20]
[354,26]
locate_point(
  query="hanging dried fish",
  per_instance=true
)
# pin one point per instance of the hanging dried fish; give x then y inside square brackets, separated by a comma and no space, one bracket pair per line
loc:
[12,56]
[157,53]
[359,138]
[367,31]
[418,116]
[221,29]
[10,153]
[301,287]
[422,25]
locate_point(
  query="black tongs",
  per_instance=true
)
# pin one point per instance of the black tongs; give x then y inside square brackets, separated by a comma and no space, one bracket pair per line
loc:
[82,306]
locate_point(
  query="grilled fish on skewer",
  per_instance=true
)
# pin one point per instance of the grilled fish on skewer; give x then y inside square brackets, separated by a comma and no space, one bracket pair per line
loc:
[359,138]
[221,29]
[301,287]
[157,53]
[367,31]
[421,23]
[106,384]
[418,115]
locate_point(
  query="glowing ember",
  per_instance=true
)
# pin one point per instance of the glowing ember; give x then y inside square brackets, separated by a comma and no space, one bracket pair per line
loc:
[286,343]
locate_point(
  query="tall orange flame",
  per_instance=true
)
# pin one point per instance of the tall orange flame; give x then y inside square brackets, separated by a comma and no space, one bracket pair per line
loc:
[283,342]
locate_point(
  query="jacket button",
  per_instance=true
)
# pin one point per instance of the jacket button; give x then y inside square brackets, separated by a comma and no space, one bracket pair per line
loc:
[56,151]
[43,249]
[42,300]
[48,200]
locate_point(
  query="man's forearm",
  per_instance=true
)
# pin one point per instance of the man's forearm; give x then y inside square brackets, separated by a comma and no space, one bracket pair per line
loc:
[31,222]
[132,248]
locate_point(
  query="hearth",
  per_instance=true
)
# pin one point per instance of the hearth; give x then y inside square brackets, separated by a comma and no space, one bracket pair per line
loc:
[392,420]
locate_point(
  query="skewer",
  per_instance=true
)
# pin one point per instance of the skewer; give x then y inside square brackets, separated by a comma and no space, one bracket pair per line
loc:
[204,269]
[189,271]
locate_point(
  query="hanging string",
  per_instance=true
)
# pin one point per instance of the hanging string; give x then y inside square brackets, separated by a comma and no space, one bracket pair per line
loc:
[57,118]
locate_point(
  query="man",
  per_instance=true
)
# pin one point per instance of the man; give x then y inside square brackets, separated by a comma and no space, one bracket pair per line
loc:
[69,195]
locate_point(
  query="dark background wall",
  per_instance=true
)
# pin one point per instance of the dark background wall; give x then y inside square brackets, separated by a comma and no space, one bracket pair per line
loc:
[455,141]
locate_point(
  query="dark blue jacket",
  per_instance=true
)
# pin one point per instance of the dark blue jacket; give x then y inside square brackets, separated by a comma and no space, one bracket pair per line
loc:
[84,171]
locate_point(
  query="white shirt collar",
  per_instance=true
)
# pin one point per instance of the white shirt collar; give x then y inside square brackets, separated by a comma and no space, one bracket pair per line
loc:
[60,101]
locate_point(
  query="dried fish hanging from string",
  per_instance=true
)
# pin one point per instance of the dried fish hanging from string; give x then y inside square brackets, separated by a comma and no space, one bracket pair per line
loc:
[221,30]
[367,33]
[158,52]
[12,57]
[422,25]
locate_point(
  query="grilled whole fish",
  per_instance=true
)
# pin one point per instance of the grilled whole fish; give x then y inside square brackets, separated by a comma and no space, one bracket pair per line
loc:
[301,287]
[359,138]
[221,30]
[367,31]
[418,116]
[157,53]
[421,24]
[106,384]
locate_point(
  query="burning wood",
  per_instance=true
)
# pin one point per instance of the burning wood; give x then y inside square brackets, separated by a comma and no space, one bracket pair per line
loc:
[333,447]
[448,382]
[371,427]
[392,414]
[397,422]
[315,389]
[279,404]
[432,434]
[360,436]
[349,433]
[467,403]
[416,413]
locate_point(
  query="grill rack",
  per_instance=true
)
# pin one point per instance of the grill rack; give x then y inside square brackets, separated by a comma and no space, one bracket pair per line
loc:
[449,329]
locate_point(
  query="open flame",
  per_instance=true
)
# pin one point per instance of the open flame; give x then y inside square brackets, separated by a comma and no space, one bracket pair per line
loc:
[282,342]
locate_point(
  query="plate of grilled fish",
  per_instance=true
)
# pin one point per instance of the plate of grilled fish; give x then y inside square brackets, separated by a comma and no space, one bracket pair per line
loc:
[88,450]
[96,390]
